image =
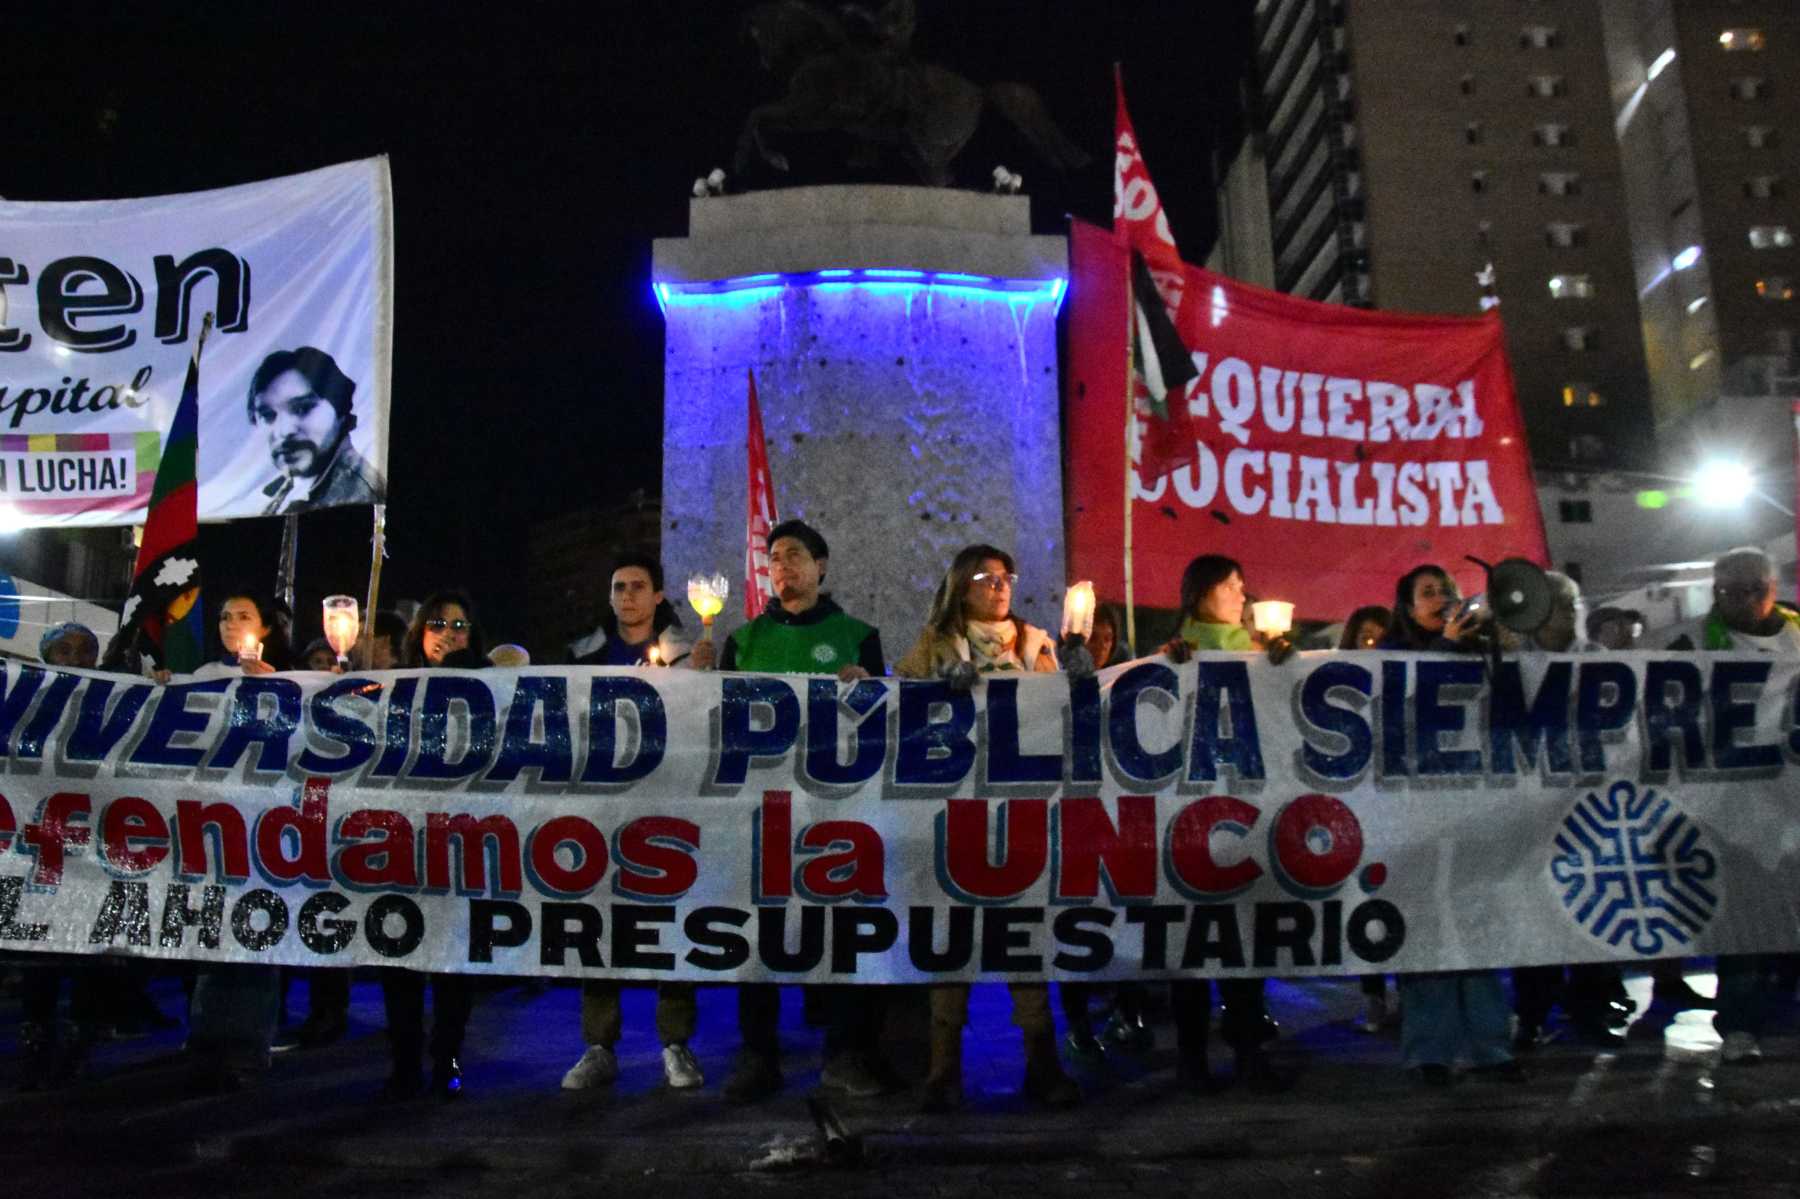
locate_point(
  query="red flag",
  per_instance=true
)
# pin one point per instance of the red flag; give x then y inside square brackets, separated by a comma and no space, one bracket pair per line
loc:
[1162,432]
[762,516]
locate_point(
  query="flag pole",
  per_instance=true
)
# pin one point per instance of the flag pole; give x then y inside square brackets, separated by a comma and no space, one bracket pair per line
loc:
[1130,427]
[284,567]
[377,551]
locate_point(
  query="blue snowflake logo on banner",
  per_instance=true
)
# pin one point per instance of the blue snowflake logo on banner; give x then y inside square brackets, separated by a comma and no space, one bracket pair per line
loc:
[1632,870]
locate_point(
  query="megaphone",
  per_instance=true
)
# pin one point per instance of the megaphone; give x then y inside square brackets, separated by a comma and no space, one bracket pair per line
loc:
[1518,593]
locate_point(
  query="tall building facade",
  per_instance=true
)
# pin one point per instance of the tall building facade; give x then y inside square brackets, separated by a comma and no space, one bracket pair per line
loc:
[1707,116]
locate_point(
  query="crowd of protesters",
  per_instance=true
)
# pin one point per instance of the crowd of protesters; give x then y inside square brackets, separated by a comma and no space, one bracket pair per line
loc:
[234,1012]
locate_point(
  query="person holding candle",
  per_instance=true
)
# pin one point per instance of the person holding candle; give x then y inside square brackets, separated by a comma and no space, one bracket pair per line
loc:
[235,1008]
[972,631]
[804,632]
[1444,1013]
[444,635]
[1213,605]
[638,628]
[638,624]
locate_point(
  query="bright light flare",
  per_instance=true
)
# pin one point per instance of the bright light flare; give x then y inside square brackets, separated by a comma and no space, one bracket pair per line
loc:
[1723,483]
[1662,62]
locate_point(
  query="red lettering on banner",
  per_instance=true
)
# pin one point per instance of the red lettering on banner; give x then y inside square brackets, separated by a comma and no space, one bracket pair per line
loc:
[774,846]
[472,837]
[589,868]
[191,821]
[387,862]
[126,821]
[55,830]
[1318,843]
[962,849]
[307,823]
[656,857]
[7,824]
[1087,841]
[1190,845]
[858,871]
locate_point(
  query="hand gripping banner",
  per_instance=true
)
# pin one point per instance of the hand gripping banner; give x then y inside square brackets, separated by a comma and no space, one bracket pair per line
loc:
[99,305]
[1338,814]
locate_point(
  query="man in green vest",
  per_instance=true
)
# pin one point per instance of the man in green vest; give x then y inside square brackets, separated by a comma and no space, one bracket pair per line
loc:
[1744,619]
[803,632]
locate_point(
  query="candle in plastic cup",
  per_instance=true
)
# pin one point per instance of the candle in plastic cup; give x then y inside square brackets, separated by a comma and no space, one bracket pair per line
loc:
[1273,618]
[653,657]
[250,650]
[342,624]
[1078,610]
[707,596]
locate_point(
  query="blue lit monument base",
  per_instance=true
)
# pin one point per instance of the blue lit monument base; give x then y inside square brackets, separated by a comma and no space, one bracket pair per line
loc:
[904,343]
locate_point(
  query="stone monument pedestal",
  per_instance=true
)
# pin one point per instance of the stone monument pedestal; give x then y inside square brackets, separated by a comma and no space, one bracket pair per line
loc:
[904,344]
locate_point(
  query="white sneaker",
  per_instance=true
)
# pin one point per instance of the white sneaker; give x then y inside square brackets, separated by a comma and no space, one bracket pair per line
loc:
[680,1068]
[1740,1049]
[598,1067]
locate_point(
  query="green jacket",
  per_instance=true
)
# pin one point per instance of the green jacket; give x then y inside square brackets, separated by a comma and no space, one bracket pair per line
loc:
[821,640]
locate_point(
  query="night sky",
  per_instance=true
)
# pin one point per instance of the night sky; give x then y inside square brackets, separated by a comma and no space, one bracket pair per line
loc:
[535,154]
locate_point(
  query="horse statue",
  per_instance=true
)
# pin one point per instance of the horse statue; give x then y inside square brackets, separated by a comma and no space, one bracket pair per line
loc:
[851,70]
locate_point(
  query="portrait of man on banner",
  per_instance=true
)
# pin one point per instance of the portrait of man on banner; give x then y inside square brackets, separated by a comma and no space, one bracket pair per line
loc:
[304,404]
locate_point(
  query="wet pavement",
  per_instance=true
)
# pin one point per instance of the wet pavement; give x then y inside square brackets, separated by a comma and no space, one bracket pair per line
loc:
[1658,1116]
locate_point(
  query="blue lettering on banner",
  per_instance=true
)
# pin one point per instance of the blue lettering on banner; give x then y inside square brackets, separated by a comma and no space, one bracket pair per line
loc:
[758,718]
[934,751]
[1342,722]
[604,698]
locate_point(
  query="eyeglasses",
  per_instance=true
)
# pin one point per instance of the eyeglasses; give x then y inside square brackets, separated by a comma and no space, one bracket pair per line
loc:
[1741,590]
[994,580]
[438,624]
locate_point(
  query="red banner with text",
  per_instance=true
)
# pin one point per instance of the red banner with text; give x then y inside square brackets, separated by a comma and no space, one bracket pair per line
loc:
[1337,447]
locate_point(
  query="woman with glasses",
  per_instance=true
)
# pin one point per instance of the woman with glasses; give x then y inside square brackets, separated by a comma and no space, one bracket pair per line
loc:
[1444,1013]
[971,631]
[444,634]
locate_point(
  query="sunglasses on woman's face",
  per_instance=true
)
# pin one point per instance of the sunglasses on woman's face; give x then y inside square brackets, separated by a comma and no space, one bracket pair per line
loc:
[438,625]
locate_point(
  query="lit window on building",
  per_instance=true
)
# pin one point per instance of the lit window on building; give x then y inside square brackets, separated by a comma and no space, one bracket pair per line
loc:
[1749,87]
[1571,287]
[1575,512]
[1565,234]
[1776,289]
[1763,187]
[1743,39]
[1559,183]
[1581,395]
[1538,37]
[1699,360]
[1770,237]
[1759,137]
[1578,337]
[1552,133]
[1547,86]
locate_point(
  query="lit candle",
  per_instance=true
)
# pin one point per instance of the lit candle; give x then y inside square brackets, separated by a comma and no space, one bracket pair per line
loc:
[250,650]
[1078,610]
[1273,618]
[342,624]
[707,596]
[653,656]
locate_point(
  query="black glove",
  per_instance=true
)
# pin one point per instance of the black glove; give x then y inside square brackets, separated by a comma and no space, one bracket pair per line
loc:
[1077,661]
[961,675]
[1280,650]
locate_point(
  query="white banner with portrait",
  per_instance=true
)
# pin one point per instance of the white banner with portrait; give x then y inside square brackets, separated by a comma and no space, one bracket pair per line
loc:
[100,305]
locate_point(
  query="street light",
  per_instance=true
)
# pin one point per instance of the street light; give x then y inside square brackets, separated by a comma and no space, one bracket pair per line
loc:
[1723,483]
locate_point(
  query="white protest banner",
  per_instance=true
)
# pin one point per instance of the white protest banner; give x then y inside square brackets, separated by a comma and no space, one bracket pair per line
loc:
[1338,814]
[100,301]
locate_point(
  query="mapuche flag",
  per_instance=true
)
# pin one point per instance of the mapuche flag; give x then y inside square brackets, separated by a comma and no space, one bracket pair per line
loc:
[1162,429]
[762,516]
[165,586]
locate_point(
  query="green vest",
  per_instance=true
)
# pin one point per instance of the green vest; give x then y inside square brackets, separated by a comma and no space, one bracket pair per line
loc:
[824,647]
[1204,635]
[1718,636]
